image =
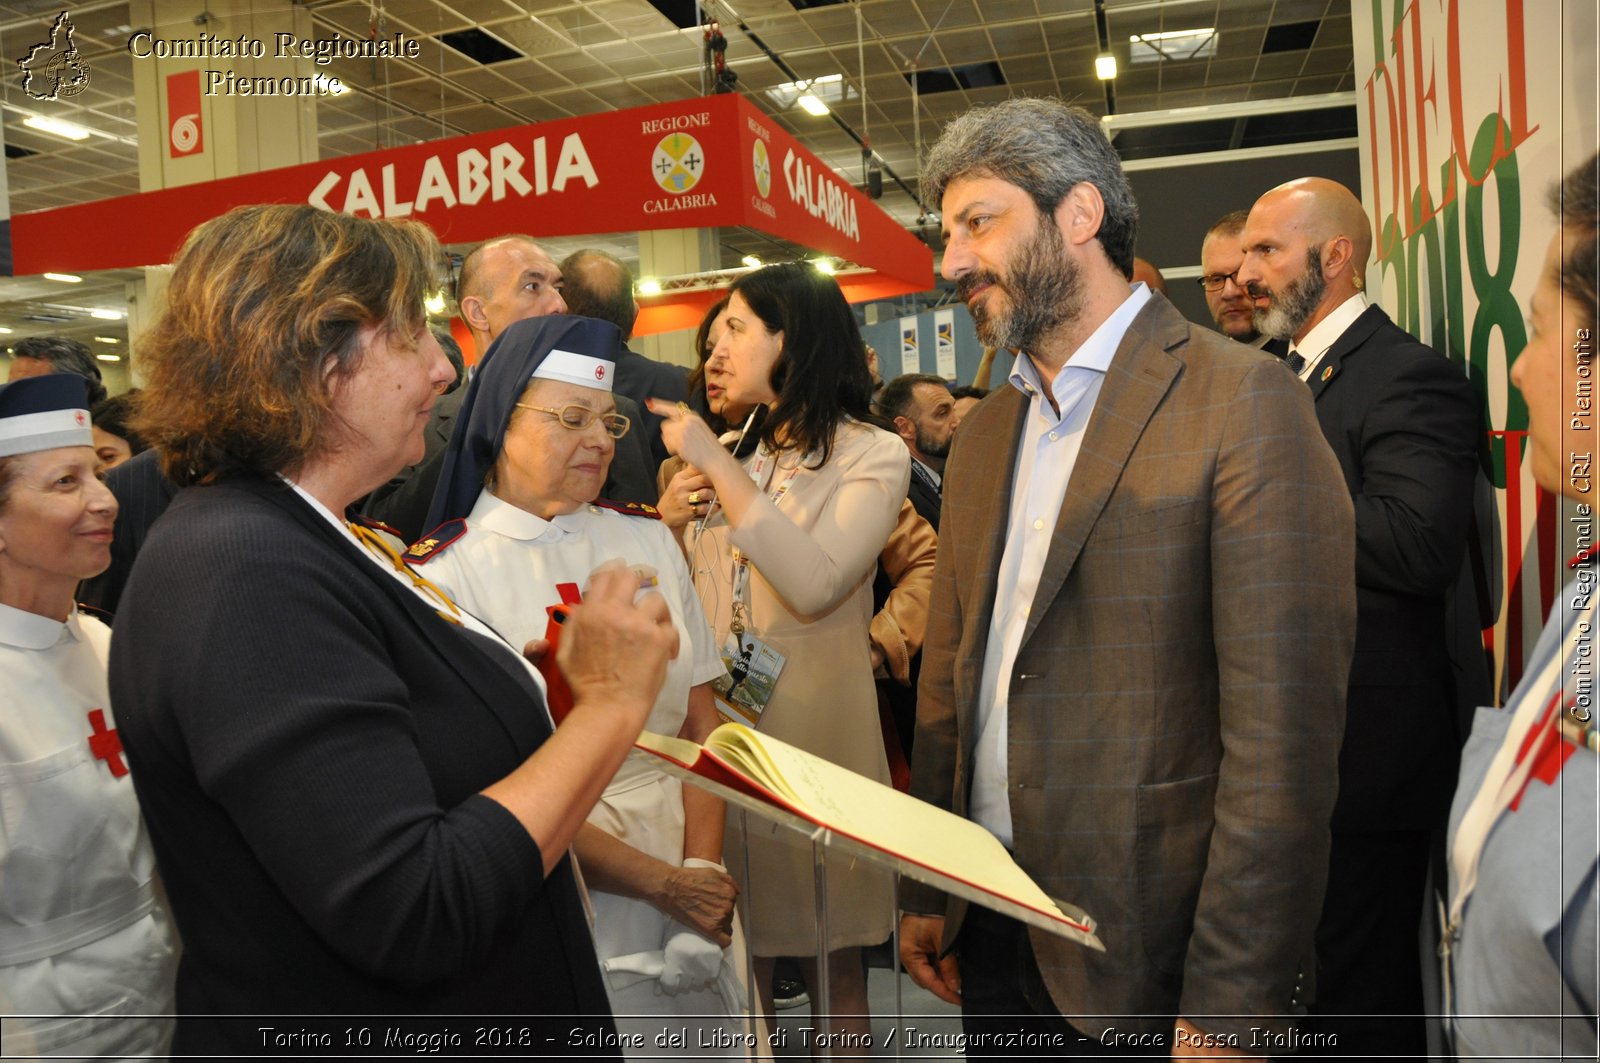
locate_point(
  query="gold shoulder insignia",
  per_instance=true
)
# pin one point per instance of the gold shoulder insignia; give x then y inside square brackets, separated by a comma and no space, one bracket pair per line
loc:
[632,509]
[435,542]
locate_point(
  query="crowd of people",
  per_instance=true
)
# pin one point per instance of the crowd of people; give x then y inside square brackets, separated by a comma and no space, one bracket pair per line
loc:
[342,725]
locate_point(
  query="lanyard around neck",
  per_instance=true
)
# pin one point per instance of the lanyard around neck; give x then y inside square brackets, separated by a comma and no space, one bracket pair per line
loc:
[380,548]
[740,606]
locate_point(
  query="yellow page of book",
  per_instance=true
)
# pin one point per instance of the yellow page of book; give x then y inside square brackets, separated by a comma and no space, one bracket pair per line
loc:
[878,815]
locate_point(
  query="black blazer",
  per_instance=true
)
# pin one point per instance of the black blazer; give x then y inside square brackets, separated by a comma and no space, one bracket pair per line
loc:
[1403,422]
[641,378]
[143,494]
[925,498]
[308,739]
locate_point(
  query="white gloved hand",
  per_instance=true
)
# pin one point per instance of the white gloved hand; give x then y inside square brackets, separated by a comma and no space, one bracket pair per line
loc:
[691,961]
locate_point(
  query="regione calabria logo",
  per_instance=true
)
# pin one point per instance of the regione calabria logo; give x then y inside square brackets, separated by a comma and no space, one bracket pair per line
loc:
[678,162]
[53,70]
[761,167]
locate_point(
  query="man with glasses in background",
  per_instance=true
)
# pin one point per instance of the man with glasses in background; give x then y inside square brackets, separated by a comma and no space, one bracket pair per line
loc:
[1221,255]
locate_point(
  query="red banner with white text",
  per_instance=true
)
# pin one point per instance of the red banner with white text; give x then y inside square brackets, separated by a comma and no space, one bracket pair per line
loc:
[711,162]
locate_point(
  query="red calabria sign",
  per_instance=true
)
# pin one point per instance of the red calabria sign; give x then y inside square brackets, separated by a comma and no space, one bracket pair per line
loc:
[716,161]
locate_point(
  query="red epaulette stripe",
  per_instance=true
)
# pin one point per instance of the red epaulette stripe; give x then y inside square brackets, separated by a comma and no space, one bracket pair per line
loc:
[378,525]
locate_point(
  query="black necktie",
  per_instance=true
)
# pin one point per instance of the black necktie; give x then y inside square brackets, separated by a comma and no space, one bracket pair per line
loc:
[1295,361]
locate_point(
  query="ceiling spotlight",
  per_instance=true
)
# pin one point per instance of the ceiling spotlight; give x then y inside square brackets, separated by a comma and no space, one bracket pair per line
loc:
[104,315]
[64,278]
[825,79]
[106,339]
[5,331]
[434,304]
[1105,66]
[811,105]
[109,357]
[56,127]
[752,261]
[823,265]
[649,287]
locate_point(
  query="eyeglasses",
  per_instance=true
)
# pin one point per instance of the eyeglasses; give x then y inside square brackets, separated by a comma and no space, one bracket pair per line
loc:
[577,418]
[1214,282]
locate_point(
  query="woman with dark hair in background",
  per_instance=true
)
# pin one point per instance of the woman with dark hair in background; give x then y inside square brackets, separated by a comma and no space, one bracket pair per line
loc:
[86,950]
[352,785]
[966,397]
[1520,939]
[790,547]
[705,341]
[676,483]
[114,441]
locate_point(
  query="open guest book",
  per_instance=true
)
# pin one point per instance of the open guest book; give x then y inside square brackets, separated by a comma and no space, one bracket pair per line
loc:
[877,816]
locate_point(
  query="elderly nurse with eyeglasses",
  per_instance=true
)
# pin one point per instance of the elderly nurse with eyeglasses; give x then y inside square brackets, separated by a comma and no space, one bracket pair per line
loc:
[518,528]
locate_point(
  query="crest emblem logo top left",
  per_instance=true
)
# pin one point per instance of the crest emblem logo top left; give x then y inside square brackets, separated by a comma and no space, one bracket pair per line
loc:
[53,70]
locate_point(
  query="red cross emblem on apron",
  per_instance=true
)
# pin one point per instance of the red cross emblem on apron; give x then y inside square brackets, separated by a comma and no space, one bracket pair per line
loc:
[105,743]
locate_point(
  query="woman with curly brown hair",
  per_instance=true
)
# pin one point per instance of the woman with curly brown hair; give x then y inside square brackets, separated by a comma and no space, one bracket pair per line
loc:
[354,791]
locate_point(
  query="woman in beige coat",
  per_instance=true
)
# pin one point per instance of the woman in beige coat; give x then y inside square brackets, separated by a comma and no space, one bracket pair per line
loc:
[907,560]
[784,547]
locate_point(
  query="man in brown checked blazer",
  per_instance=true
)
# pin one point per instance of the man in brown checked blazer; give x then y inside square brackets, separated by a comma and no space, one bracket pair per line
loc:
[1140,631]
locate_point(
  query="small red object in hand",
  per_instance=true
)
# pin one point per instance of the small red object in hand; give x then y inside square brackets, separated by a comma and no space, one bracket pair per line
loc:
[560,695]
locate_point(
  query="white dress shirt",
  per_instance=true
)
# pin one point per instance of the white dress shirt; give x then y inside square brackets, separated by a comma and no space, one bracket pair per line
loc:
[1045,459]
[1320,339]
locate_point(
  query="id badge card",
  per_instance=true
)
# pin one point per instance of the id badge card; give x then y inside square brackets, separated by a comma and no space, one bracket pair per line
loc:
[745,690]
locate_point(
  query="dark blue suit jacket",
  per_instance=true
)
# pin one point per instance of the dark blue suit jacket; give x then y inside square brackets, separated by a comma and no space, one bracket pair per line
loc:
[641,378]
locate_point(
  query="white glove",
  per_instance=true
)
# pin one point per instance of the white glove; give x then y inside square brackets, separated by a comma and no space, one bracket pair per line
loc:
[690,961]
